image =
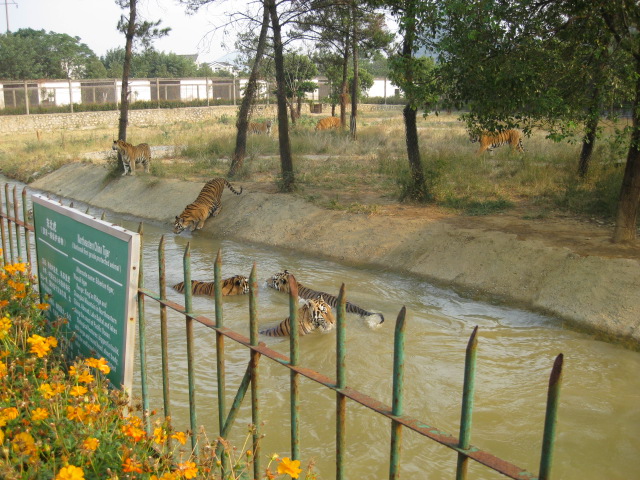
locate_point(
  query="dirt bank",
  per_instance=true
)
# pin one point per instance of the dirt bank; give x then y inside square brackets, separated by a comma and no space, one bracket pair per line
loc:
[562,267]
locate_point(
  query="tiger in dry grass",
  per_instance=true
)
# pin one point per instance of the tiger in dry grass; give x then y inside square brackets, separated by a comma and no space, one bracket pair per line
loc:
[260,127]
[236,285]
[133,155]
[206,205]
[328,123]
[280,282]
[490,141]
[315,314]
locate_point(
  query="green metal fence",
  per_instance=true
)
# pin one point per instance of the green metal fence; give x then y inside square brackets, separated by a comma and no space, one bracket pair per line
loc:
[15,236]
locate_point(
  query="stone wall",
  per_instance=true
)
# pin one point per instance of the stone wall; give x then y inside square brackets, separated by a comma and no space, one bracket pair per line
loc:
[88,120]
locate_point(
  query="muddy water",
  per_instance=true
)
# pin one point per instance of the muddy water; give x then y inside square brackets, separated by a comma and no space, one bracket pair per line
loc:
[599,416]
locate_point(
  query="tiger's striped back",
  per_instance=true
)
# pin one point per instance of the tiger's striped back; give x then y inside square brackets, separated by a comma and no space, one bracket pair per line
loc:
[133,155]
[260,127]
[205,205]
[490,141]
[236,285]
[280,282]
[314,315]
[328,123]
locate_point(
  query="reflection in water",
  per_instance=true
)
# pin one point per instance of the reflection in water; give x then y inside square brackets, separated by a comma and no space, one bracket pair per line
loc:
[599,417]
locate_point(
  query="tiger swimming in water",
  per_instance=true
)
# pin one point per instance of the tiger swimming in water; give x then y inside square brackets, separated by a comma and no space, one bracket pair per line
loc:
[132,156]
[280,282]
[315,314]
[260,127]
[236,285]
[206,205]
[490,141]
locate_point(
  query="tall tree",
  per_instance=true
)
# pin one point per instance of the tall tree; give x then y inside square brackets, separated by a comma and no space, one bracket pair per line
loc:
[145,31]
[299,71]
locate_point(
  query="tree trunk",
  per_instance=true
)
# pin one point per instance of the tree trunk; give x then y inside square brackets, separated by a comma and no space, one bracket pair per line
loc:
[589,139]
[283,119]
[248,99]
[345,84]
[126,70]
[353,124]
[629,200]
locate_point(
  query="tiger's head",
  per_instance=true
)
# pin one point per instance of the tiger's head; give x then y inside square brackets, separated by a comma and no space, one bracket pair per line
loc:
[474,137]
[179,225]
[119,145]
[320,315]
[236,285]
[280,282]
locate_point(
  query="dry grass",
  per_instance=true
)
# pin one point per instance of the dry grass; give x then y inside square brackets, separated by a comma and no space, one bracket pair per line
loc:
[336,172]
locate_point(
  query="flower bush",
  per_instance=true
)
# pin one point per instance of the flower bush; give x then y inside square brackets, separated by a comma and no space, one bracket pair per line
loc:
[62,420]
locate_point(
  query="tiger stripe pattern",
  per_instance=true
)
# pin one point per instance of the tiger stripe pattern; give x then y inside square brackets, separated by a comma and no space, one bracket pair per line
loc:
[280,282]
[133,155]
[490,141]
[206,205]
[260,127]
[236,285]
[328,123]
[315,314]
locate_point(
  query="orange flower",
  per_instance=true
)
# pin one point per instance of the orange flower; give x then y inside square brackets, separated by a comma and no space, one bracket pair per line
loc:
[78,391]
[135,433]
[70,472]
[42,306]
[90,443]
[39,414]
[24,444]
[3,369]
[76,413]
[85,377]
[289,467]
[180,437]
[159,435]
[132,466]
[40,345]
[4,303]
[188,469]
[100,364]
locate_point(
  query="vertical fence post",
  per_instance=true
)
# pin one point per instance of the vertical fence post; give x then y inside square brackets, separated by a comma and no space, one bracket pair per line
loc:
[27,238]
[398,400]
[5,251]
[143,338]
[217,285]
[293,360]
[467,403]
[255,390]
[548,438]
[9,229]
[190,360]
[16,209]
[341,400]
[164,337]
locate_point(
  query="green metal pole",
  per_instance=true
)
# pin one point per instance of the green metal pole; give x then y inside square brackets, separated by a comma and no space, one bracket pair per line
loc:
[293,360]
[188,305]
[25,215]
[255,356]
[164,336]
[341,400]
[220,360]
[16,209]
[398,395]
[468,390]
[9,229]
[143,339]
[549,436]
[5,251]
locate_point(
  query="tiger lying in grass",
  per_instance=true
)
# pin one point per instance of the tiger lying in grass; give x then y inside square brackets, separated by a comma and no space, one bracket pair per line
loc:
[206,205]
[131,156]
[490,141]
[236,285]
[328,123]
[260,127]
[280,282]
[315,314]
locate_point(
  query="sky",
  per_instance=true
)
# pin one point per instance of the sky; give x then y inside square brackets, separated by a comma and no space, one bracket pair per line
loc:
[95,22]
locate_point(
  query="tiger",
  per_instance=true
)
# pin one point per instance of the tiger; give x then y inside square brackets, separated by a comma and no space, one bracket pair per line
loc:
[207,204]
[280,282]
[490,141]
[260,127]
[328,123]
[236,285]
[315,314]
[132,156]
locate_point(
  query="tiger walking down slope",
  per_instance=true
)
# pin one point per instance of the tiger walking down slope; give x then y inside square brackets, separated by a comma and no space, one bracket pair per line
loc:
[206,205]
[315,314]
[260,127]
[489,141]
[236,285]
[328,123]
[133,155]
[280,282]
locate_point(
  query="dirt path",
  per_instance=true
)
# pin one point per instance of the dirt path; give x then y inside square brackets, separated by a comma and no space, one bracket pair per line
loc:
[560,266]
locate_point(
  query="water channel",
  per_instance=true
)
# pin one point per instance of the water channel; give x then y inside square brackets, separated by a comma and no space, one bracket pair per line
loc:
[599,415]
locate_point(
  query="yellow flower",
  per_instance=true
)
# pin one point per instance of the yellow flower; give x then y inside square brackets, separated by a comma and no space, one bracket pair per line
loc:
[9,413]
[1,437]
[165,476]
[76,413]
[39,345]
[39,414]
[24,444]
[289,467]
[85,377]
[3,369]
[70,472]
[100,364]
[188,469]
[132,466]
[5,326]
[78,391]
[90,443]
[180,437]
[159,436]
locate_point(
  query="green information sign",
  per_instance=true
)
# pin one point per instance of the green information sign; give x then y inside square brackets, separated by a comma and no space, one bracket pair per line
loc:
[88,273]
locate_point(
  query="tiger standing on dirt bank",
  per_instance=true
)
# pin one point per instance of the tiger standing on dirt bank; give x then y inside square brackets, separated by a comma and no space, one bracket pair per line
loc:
[490,141]
[131,156]
[206,205]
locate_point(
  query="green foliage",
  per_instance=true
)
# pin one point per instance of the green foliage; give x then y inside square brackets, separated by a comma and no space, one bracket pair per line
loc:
[153,64]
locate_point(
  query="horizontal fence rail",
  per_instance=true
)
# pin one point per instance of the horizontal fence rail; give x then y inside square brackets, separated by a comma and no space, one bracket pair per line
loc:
[12,229]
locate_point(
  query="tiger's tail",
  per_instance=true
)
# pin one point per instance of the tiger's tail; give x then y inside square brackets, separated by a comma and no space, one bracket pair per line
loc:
[226,182]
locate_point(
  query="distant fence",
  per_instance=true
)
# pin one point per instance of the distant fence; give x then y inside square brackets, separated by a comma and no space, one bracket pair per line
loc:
[13,229]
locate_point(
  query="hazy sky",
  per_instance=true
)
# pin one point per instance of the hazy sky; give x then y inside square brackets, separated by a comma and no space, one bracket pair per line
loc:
[95,21]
